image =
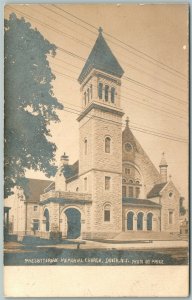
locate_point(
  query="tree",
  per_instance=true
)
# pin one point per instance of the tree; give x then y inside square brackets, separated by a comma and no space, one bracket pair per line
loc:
[30,105]
[182,209]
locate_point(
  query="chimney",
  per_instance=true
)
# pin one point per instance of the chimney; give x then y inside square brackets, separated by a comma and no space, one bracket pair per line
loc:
[163,169]
[64,160]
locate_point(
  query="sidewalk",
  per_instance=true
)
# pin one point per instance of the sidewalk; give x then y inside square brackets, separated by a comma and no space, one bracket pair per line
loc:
[129,246]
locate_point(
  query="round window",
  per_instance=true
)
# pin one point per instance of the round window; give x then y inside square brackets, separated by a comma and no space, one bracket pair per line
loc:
[170,194]
[128,147]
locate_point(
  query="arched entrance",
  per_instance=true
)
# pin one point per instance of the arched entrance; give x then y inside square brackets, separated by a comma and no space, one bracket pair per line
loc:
[140,221]
[73,223]
[130,216]
[46,215]
[149,221]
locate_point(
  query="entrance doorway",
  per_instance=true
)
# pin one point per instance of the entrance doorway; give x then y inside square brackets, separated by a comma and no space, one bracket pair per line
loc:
[73,223]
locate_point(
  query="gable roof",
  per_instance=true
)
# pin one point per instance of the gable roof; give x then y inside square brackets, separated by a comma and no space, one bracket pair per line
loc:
[140,202]
[101,58]
[155,191]
[35,188]
[127,136]
[71,170]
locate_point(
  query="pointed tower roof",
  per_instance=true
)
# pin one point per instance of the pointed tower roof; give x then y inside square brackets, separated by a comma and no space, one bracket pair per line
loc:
[101,58]
[163,162]
[127,135]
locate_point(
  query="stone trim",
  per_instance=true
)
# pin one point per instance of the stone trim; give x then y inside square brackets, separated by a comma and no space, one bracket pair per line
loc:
[65,201]
[114,110]
[142,205]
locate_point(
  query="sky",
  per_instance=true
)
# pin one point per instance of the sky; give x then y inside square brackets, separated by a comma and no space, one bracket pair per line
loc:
[151,44]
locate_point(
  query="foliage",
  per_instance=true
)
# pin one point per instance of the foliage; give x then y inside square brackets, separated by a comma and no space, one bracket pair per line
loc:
[30,105]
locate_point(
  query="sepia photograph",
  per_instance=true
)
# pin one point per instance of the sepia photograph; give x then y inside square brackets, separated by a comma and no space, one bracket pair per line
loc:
[96,136]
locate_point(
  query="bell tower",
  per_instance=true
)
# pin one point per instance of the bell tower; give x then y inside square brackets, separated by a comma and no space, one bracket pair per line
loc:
[100,138]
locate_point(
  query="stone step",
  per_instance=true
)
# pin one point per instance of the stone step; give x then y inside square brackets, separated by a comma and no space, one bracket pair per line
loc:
[146,235]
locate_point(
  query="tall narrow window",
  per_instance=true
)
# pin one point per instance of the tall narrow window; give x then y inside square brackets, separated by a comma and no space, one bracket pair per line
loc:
[100,90]
[85,183]
[137,192]
[127,171]
[91,91]
[170,217]
[85,146]
[106,93]
[85,98]
[35,224]
[107,182]
[35,208]
[130,191]
[123,191]
[88,95]
[107,213]
[112,95]
[107,145]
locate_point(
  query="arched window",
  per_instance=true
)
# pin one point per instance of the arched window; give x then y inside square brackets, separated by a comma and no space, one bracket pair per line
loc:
[107,212]
[149,221]
[107,183]
[107,145]
[100,90]
[88,95]
[106,93]
[91,91]
[85,183]
[85,98]
[112,95]
[140,221]
[85,146]
[130,216]
[131,181]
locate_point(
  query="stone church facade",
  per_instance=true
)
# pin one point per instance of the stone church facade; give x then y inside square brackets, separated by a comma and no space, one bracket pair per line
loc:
[114,187]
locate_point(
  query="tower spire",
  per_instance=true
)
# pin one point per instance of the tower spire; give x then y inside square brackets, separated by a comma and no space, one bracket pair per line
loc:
[127,121]
[100,30]
[163,168]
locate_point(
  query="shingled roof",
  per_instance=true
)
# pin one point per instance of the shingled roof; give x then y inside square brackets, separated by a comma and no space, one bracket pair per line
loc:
[155,191]
[71,170]
[101,58]
[140,202]
[35,188]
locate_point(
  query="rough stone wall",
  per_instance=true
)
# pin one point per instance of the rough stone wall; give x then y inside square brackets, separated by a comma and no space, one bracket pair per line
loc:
[73,185]
[54,216]
[85,132]
[102,129]
[170,204]
[97,164]
[101,197]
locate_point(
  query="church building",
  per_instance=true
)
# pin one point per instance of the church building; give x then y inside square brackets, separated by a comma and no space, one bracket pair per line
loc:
[113,189]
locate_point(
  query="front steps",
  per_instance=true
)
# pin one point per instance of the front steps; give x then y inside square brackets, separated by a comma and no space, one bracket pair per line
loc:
[147,235]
